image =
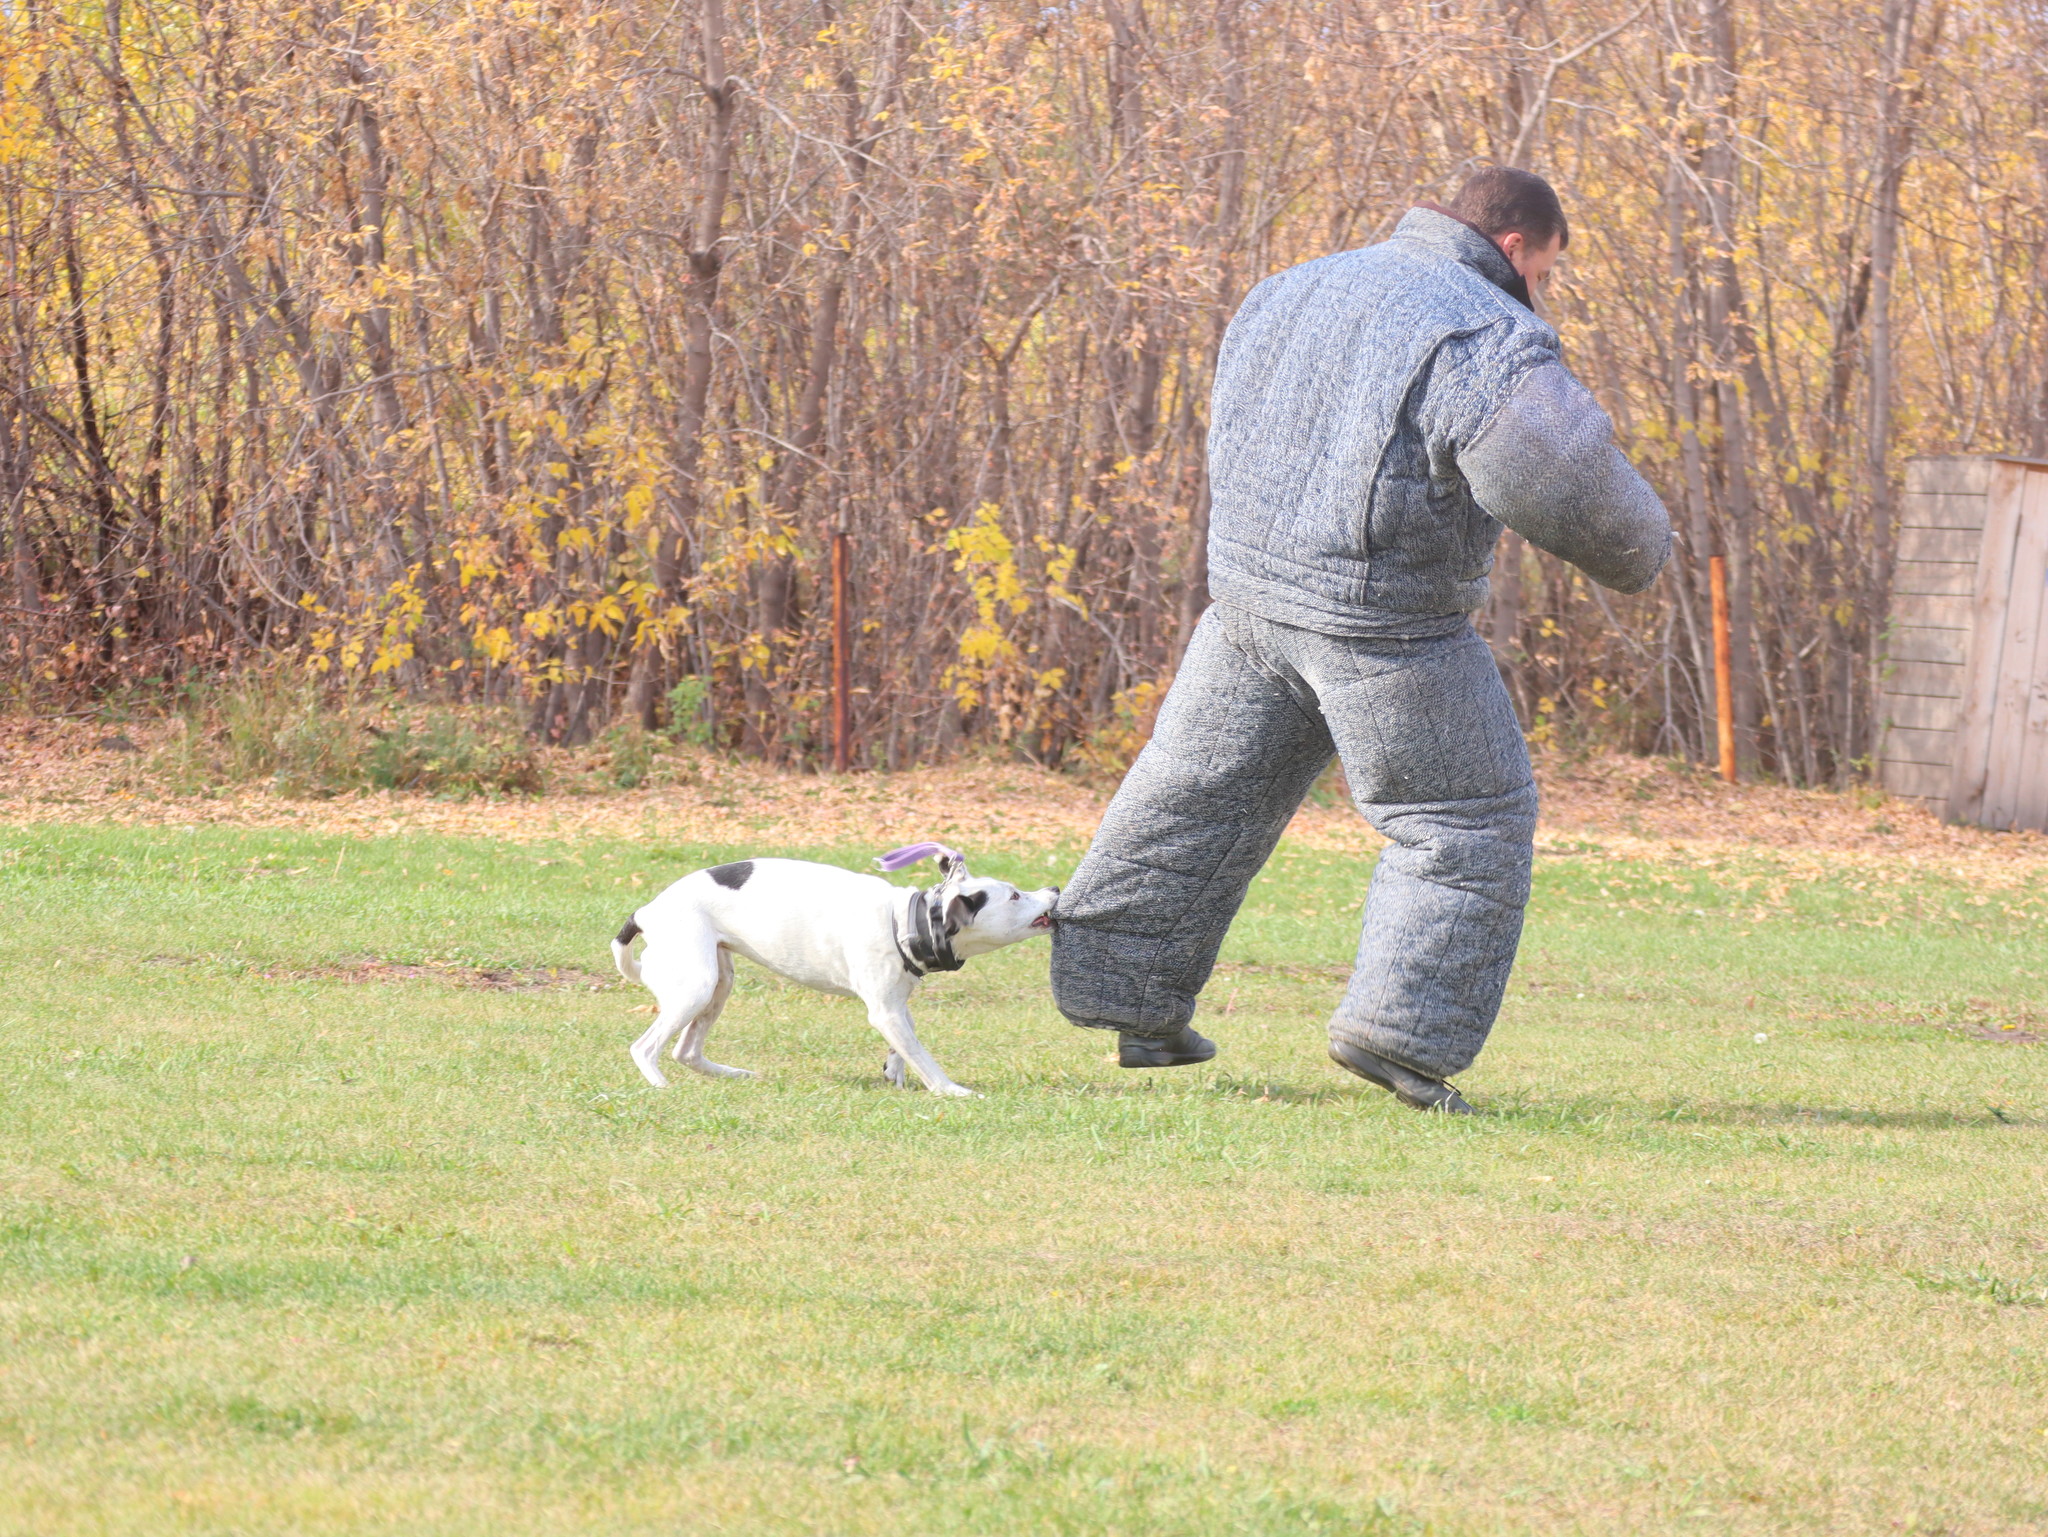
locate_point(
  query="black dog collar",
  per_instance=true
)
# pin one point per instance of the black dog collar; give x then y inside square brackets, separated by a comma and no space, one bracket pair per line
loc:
[927,947]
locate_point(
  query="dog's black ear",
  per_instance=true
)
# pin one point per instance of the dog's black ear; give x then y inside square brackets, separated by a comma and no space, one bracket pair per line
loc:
[961,910]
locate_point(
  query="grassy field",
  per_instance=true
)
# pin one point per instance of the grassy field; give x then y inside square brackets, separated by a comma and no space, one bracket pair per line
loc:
[330,1202]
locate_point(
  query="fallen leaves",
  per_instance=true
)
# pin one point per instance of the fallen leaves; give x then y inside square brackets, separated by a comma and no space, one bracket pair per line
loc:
[1607,808]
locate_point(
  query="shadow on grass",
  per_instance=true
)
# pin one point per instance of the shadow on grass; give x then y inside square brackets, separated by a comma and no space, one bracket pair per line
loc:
[1262,1091]
[1579,1111]
[1222,1085]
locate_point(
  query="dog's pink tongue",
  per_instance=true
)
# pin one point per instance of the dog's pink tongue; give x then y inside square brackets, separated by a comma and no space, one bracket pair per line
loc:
[911,853]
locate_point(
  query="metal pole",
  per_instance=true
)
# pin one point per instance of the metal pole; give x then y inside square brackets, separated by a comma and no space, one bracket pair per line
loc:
[1724,667]
[842,710]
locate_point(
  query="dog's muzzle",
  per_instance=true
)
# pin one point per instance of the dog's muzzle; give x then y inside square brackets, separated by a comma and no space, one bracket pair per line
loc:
[1050,917]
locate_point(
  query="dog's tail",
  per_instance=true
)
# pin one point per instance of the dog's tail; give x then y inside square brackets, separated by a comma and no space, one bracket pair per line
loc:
[622,949]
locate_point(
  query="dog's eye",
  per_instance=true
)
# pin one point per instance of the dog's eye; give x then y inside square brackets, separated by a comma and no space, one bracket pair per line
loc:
[1016,896]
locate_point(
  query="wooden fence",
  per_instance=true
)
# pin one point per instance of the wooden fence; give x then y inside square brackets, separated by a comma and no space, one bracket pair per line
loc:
[1964,694]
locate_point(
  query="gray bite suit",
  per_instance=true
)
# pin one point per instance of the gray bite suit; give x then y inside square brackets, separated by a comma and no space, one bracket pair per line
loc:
[1378,415]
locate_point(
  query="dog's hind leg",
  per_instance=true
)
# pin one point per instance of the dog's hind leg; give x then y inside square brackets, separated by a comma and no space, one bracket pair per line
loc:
[683,972]
[689,1048]
[669,1019]
[690,1042]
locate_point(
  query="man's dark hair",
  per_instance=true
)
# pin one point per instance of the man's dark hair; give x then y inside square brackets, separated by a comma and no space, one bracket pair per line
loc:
[1501,199]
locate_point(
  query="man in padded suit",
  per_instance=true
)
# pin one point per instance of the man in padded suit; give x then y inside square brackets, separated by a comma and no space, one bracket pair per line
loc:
[1378,415]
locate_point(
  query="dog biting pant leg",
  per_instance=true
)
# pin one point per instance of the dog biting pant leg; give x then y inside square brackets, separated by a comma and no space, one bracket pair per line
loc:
[1231,757]
[1436,762]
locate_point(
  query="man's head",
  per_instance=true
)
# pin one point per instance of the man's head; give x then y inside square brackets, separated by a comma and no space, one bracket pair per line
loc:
[1520,213]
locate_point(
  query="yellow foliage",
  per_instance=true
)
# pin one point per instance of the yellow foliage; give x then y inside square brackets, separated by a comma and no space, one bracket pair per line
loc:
[985,555]
[491,376]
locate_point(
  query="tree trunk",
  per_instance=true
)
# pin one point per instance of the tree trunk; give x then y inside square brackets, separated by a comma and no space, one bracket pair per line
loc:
[706,260]
[1194,590]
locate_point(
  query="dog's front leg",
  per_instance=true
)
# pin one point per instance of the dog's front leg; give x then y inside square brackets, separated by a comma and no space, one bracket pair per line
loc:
[891,1017]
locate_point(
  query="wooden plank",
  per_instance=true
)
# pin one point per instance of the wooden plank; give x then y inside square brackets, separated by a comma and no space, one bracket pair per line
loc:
[1975,713]
[1910,778]
[1935,579]
[2004,781]
[1918,712]
[1916,781]
[1933,614]
[1922,680]
[1913,744]
[2031,793]
[1931,509]
[1918,643]
[1918,744]
[1957,546]
[1941,768]
[1948,472]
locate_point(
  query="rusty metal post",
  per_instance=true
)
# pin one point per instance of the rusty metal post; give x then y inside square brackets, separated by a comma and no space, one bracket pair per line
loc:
[842,704]
[1724,667]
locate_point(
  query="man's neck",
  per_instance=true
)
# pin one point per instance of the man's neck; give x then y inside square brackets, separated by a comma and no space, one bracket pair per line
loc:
[1514,285]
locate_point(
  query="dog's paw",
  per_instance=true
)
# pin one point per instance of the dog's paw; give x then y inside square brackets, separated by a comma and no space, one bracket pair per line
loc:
[893,1069]
[648,1070]
[956,1091]
[712,1069]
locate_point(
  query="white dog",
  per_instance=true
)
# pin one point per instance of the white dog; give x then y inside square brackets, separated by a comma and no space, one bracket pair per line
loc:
[832,929]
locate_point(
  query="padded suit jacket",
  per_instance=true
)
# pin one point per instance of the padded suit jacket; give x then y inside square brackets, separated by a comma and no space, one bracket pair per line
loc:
[1380,413]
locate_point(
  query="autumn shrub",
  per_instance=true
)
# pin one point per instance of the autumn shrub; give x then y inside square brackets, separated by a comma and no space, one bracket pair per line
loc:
[441,752]
[257,726]
[303,738]
[631,755]
[689,711]
[1113,747]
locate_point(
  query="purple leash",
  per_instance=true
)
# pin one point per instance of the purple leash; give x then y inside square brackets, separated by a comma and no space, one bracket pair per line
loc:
[929,945]
[911,853]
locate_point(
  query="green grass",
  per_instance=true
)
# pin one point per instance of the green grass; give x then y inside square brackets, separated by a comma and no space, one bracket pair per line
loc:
[301,1233]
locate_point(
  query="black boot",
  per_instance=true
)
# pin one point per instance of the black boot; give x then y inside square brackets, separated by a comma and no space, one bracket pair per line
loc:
[1413,1089]
[1163,1051]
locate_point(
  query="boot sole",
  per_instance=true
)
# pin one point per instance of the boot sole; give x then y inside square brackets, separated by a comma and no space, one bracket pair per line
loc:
[1167,1053]
[1357,1071]
[1453,1102]
[1207,1056]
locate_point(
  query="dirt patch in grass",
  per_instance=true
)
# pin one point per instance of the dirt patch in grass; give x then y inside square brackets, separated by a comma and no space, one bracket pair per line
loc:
[1594,806]
[2009,1022]
[497,979]
[1331,973]
[2012,1035]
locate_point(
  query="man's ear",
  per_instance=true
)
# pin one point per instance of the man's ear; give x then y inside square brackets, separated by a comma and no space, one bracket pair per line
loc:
[961,910]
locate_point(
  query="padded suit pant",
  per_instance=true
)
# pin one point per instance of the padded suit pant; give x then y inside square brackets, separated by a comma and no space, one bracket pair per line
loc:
[1436,763]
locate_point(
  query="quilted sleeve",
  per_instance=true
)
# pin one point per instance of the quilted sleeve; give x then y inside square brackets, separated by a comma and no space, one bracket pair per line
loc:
[1545,464]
